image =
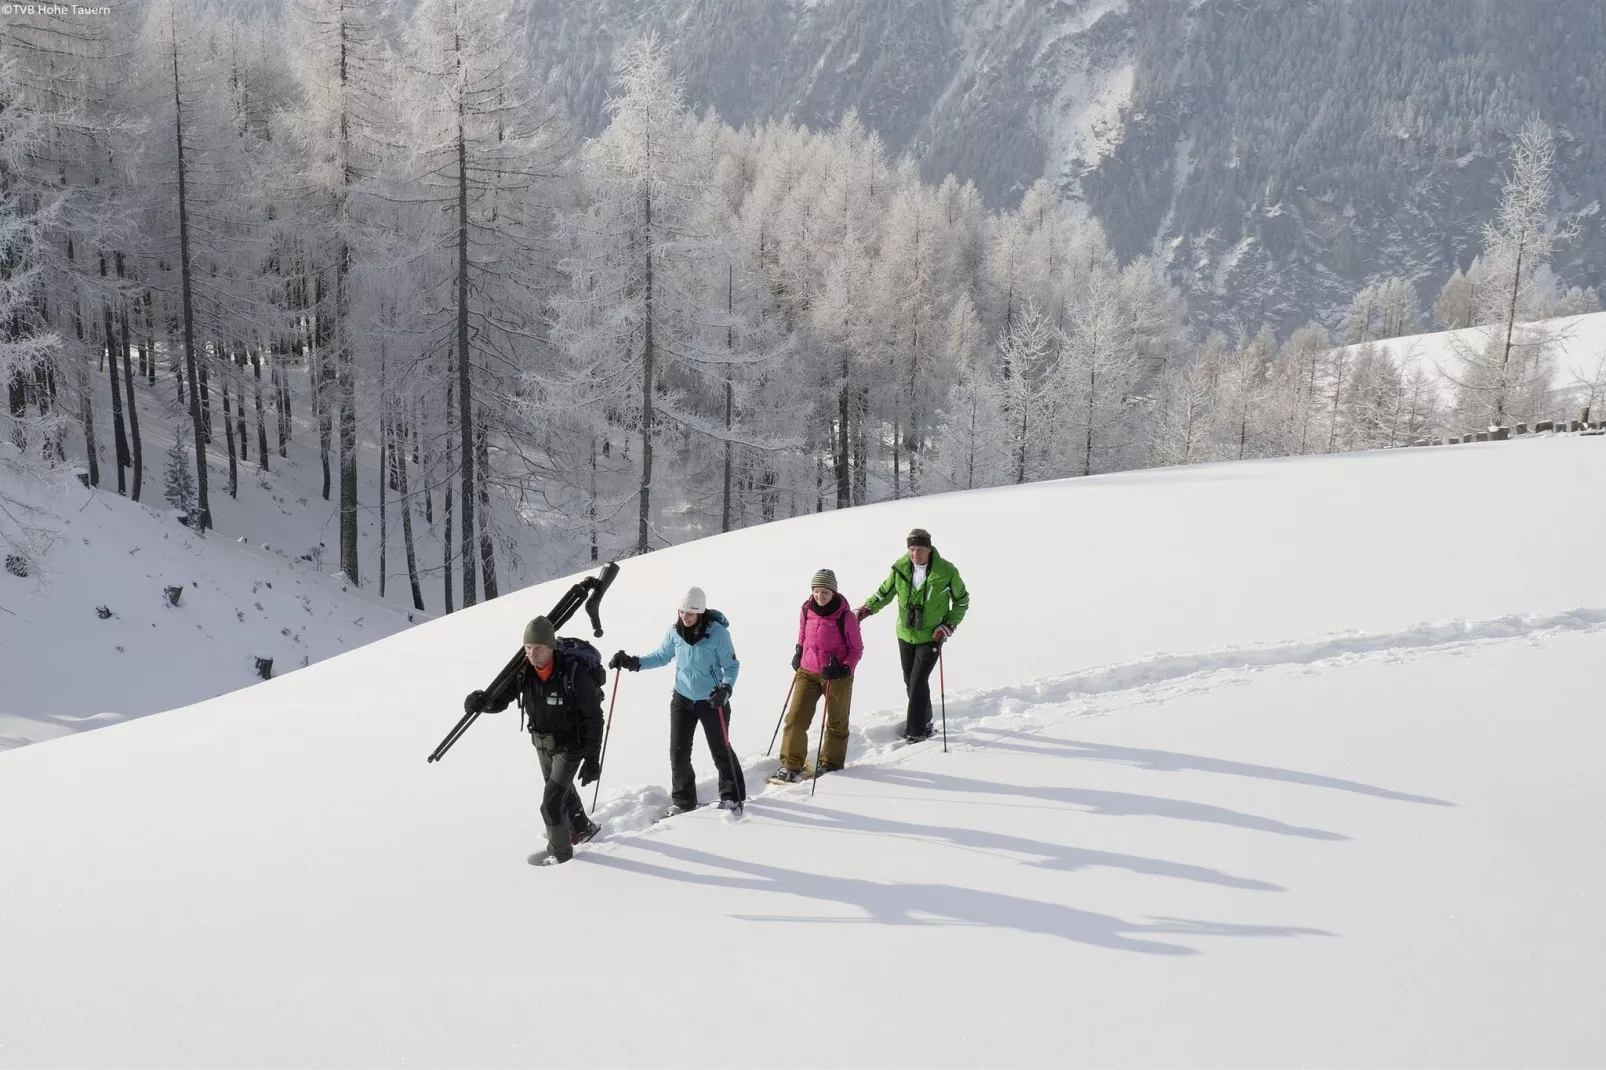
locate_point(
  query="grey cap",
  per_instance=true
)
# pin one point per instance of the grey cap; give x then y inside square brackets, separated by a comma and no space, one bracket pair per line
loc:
[539,632]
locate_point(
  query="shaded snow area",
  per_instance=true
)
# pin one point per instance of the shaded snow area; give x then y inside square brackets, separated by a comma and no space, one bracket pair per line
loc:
[92,636]
[1271,763]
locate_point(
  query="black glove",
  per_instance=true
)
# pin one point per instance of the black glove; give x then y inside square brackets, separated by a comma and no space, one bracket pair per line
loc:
[621,660]
[835,670]
[474,702]
[797,658]
[590,770]
[720,697]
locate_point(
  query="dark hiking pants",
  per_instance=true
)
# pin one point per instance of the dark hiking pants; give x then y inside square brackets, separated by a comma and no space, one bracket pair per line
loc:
[918,661]
[561,808]
[684,717]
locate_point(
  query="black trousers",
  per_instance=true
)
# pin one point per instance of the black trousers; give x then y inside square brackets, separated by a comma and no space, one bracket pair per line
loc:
[918,661]
[684,716]
[561,808]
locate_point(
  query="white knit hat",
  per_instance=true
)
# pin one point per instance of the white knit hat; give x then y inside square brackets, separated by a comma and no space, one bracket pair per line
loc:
[693,601]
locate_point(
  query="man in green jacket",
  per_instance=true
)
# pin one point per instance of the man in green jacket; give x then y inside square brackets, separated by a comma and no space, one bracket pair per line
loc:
[932,600]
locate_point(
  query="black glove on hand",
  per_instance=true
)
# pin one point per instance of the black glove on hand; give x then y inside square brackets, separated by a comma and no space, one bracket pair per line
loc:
[835,670]
[621,660]
[797,658]
[474,702]
[720,697]
[590,770]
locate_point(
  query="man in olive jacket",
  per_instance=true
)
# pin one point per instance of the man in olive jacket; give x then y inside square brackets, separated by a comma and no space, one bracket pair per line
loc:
[932,600]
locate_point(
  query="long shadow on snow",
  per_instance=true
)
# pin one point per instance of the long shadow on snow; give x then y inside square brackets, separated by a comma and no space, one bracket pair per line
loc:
[1093,800]
[1165,761]
[901,903]
[1054,856]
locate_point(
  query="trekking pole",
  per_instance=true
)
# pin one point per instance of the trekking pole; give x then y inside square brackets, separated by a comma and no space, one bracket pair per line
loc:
[819,754]
[942,693]
[605,730]
[730,755]
[782,717]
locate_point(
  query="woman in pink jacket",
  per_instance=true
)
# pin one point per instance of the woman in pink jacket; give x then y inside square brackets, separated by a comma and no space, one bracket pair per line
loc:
[828,649]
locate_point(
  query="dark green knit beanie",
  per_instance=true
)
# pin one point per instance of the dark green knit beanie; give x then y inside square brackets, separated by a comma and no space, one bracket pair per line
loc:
[539,632]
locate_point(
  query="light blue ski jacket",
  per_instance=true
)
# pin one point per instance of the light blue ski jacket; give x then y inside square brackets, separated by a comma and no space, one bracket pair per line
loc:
[701,666]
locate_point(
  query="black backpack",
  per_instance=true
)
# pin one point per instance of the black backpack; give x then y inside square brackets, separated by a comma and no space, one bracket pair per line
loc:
[583,656]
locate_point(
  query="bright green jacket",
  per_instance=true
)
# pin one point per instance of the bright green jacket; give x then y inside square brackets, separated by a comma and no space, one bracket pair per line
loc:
[943,598]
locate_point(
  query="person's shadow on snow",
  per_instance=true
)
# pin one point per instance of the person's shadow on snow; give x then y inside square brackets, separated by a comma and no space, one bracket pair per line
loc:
[1093,800]
[1165,761]
[915,903]
[1055,856]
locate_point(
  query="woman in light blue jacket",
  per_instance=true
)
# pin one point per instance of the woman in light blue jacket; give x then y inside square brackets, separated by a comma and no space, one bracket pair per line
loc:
[699,643]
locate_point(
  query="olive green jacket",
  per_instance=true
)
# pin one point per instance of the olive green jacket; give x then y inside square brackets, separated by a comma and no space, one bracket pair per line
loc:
[942,599]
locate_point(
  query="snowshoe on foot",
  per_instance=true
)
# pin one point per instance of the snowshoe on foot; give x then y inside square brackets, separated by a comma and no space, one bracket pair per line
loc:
[584,833]
[784,775]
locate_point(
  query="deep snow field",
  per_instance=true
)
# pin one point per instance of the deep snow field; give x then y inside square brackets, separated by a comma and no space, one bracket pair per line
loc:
[1290,762]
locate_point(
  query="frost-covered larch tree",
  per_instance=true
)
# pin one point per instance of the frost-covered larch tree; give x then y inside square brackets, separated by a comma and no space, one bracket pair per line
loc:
[482,180]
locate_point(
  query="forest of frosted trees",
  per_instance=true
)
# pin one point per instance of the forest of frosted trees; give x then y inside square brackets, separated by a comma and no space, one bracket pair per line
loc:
[379,234]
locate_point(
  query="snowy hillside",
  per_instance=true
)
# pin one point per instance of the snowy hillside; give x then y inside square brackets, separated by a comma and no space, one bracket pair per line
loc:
[1579,342]
[1283,762]
[91,636]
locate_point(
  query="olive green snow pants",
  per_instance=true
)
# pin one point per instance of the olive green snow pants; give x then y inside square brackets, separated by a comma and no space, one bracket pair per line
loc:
[806,690]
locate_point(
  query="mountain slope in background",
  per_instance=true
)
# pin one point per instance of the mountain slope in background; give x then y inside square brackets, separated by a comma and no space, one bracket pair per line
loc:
[1275,156]
[1283,762]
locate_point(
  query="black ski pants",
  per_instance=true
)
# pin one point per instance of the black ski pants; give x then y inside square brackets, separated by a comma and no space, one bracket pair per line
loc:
[561,807]
[684,717]
[918,661]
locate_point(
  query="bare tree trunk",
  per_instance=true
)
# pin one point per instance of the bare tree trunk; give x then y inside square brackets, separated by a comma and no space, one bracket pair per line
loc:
[843,487]
[465,411]
[1511,322]
[324,376]
[149,352]
[384,448]
[407,531]
[119,435]
[281,394]
[133,408]
[446,507]
[237,362]
[262,423]
[1338,389]
[346,374]
[482,450]
[730,344]
[645,492]
[591,504]
[228,432]
[1092,388]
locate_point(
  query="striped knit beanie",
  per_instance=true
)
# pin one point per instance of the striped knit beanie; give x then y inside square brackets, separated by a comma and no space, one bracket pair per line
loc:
[823,578]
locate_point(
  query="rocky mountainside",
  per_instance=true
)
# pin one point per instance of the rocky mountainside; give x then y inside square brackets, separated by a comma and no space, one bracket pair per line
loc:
[1277,153]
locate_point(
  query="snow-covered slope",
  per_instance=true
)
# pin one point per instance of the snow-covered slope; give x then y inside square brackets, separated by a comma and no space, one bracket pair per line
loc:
[1286,762]
[68,667]
[1579,342]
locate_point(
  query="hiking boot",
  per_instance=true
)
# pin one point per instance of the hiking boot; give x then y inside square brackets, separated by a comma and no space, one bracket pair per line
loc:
[681,808]
[733,805]
[826,767]
[584,832]
[918,737]
[783,775]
